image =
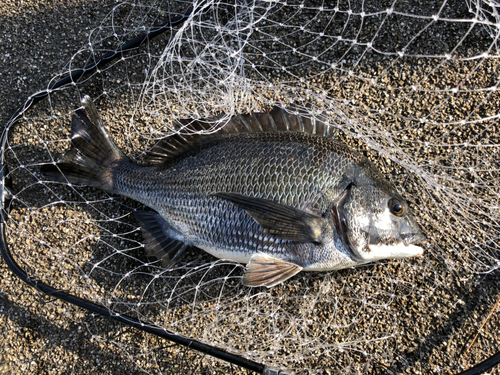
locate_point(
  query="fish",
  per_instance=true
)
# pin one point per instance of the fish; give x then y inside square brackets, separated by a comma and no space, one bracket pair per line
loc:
[272,190]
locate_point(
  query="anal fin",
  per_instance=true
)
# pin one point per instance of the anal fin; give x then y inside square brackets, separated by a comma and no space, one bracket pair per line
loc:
[157,241]
[266,270]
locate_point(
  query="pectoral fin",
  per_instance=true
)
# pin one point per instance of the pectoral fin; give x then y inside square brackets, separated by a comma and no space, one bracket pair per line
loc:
[155,232]
[265,270]
[279,220]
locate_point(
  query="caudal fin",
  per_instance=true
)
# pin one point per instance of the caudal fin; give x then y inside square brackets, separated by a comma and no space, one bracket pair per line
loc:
[93,155]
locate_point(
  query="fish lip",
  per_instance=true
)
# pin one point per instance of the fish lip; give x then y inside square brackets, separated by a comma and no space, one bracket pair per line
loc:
[414,239]
[413,250]
[417,250]
[396,251]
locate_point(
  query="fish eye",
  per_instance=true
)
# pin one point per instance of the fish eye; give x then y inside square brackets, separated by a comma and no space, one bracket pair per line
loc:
[396,207]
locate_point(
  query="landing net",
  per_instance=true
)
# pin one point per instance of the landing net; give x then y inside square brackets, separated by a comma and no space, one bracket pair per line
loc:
[414,85]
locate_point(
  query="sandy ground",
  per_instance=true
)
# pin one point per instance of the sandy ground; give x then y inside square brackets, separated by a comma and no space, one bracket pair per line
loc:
[39,334]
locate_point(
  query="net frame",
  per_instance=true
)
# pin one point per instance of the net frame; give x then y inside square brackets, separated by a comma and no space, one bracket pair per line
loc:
[491,361]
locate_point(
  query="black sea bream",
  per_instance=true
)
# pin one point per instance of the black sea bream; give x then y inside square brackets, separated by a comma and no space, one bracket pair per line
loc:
[262,191]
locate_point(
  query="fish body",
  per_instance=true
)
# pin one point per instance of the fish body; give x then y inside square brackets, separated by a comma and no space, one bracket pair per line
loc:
[277,200]
[292,169]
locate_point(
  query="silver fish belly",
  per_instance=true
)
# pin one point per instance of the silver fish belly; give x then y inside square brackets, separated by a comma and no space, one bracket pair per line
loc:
[278,201]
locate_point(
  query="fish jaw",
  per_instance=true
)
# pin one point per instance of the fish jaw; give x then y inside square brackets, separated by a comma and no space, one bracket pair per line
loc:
[395,251]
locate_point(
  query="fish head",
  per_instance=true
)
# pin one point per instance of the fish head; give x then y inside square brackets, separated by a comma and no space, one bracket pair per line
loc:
[375,223]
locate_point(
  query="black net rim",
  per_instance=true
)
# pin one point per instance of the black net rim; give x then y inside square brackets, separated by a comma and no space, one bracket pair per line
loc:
[187,342]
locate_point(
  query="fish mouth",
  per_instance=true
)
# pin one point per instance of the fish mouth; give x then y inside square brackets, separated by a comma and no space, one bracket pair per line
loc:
[393,251]
[414,239]
[410,245]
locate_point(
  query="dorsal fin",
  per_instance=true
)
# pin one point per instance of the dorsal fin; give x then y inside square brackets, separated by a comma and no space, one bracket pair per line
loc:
[293,118]
[188,134]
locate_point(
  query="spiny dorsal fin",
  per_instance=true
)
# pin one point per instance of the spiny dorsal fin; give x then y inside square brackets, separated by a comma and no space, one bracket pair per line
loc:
[265,270]
[188,134]
[279,220]
[278,119]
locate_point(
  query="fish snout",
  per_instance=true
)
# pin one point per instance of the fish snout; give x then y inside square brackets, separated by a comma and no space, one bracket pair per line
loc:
[413,238]
[413,243]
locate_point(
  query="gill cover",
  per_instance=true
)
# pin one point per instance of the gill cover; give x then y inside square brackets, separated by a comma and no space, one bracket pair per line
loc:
[340,221]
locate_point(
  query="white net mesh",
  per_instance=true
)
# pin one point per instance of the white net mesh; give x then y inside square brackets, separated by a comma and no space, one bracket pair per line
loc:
[412,84]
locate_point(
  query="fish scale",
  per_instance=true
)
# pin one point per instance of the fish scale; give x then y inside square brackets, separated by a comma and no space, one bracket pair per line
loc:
[279,201]
[170,192]
[243,172]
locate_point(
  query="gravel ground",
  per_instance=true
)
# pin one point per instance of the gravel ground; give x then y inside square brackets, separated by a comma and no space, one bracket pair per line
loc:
[38,334]
[43,335]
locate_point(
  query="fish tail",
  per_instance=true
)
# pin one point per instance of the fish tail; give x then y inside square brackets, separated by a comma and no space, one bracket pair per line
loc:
[93,155]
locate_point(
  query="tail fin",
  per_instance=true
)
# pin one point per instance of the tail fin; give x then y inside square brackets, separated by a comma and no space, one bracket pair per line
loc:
[93,155]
